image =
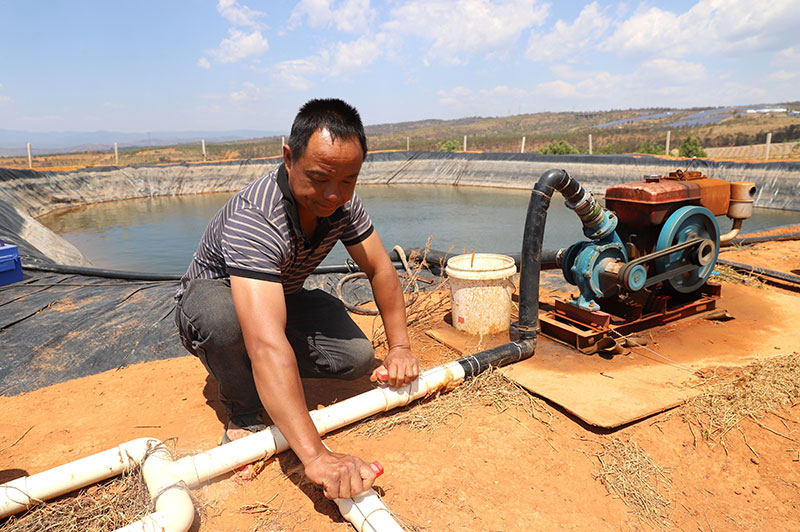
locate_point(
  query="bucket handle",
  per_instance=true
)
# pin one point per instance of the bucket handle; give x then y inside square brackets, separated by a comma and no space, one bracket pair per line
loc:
[510,285]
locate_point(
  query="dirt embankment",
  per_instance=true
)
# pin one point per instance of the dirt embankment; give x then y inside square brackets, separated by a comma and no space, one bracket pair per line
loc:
[25,194]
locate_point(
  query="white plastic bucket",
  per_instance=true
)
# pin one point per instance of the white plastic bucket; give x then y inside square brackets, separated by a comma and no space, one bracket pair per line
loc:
[480,292]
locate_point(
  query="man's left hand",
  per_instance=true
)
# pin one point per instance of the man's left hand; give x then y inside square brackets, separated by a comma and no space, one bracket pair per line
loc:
[400,364]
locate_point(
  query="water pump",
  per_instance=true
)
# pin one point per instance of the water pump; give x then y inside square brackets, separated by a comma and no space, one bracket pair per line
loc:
[660,233]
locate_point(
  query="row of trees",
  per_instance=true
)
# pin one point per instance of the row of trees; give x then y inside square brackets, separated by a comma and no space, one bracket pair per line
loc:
[690,147]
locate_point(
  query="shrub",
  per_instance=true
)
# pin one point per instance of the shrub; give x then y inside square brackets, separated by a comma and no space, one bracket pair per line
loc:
[650,146]
[691,148]
[558,147]
[449,145]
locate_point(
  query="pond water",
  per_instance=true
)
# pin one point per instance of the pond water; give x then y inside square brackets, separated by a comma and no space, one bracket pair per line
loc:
[161,234]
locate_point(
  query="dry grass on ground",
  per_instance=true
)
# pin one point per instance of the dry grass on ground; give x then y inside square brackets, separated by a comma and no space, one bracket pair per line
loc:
[103,507]
[490,388]
[731,396]
[631,474]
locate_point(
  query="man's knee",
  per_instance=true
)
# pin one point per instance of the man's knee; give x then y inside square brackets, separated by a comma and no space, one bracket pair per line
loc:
[356,359]
[363,357]
[207,307]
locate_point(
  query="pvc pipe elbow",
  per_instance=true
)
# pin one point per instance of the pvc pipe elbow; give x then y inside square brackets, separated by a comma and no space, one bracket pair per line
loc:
[22,493]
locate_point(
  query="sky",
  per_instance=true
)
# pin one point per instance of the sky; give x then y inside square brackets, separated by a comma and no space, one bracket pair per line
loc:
[156,65]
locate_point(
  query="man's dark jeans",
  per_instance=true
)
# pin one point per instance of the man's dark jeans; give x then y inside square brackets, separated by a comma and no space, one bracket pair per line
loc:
[326,341]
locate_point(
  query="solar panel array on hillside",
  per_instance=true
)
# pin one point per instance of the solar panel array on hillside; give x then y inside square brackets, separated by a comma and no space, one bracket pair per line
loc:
[637,119]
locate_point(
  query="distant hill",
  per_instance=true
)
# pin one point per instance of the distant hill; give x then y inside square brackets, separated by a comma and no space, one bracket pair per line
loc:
[14,142]
[613,131]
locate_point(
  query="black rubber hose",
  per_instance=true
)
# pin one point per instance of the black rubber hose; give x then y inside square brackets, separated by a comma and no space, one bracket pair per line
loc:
[435,258]
[145,276]
[775,274]
[745,240]
[530,268]
[497,356]
[532,240]
[98,272]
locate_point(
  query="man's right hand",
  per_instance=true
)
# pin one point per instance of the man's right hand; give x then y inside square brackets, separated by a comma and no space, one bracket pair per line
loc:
[340,475]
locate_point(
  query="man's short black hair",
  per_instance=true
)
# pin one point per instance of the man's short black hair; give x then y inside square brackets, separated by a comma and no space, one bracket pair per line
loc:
[338,117]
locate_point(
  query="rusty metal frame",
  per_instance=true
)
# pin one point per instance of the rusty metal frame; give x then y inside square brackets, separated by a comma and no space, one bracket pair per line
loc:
[582,329]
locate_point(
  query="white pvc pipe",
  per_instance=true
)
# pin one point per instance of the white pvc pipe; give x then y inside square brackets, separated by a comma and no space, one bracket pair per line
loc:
[368,513]
[199,468]
[21,493]
[167,480]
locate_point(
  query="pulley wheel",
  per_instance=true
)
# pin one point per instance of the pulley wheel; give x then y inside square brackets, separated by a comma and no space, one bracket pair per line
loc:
[685,224]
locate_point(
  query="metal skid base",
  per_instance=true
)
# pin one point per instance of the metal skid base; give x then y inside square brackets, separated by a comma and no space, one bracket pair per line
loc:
[582,329]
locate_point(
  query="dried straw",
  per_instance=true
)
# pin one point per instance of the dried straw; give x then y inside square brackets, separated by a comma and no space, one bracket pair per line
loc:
[100,508]
[628,471]
[425,310]
[731,275]
[760,387]
[490,388]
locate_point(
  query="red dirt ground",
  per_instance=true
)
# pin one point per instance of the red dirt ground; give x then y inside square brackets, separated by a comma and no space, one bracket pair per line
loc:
[482,471]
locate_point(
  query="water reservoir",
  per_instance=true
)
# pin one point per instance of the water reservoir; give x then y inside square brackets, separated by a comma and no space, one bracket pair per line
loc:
[160,234]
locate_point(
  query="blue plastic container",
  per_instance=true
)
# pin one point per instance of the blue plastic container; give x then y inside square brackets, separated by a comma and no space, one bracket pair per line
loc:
[10,265]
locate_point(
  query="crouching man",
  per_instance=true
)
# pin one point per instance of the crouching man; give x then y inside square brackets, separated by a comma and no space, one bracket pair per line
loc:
[243,311]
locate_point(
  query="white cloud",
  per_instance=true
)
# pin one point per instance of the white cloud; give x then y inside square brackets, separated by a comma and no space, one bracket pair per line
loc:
[43,118]
[213,108]
[353,15]
[338,60]
[467,27]
[249,93]
[348,15]
[708,27]
[645,32]
[788,57]
[497,100]
[3,97]
[557,89]
[504,91]
[568,40]
[296,73]
[783,75]
[238,46]
[670,69]
[203,63]
[355,56]
[316,12]
[240,15]
[456,95]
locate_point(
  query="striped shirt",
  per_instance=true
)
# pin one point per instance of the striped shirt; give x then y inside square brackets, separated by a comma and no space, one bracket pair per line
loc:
[257,234]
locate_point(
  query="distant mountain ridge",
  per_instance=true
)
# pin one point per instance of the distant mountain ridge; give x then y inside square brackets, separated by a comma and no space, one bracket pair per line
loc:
[14,142]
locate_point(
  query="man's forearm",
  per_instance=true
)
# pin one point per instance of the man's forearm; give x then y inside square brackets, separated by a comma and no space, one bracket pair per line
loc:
[281,391]
[390,301]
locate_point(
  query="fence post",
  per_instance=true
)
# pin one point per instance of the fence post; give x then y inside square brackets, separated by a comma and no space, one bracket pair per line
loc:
[283,143]
[590,143]
[666,151]
[465,143]
[116,154]
[203,144]
[769,141]
[408,143]
[522,148]
[30,159]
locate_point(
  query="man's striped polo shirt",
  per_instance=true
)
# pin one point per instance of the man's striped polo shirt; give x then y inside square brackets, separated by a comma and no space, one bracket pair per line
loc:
[257,234]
